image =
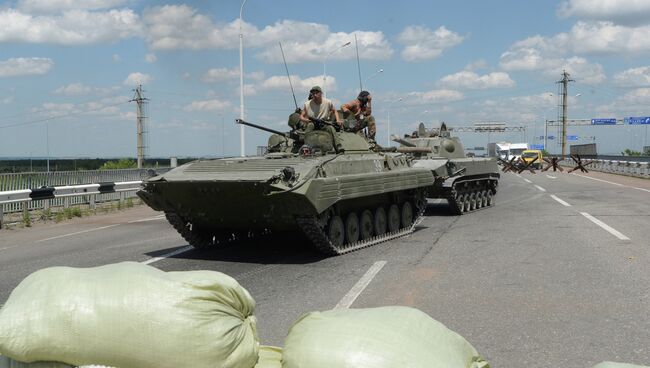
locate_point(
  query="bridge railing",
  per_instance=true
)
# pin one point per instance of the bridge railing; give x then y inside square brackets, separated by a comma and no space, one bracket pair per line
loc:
[24,192]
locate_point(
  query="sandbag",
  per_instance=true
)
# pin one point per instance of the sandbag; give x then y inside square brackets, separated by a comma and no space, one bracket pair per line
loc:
[130,315]
[270,357]
[618,365]
[386,337]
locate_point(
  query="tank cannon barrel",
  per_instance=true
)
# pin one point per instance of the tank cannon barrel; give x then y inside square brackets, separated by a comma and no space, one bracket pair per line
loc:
[414,149]
[401,141]
[291,135]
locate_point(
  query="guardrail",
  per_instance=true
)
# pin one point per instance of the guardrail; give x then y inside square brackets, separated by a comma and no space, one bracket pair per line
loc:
[630,168]
[88,193]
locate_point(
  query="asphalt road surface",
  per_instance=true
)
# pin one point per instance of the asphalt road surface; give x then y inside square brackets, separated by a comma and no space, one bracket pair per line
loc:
[556,274]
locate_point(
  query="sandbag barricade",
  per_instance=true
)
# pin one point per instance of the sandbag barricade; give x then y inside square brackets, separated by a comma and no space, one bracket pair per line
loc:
[270,357]
[386,337]
[130,315]
[618,365]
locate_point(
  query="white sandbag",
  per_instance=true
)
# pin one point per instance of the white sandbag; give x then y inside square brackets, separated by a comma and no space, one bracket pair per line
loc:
[387,337]
[130,315]
[6,362]
[270,357]
[618,365]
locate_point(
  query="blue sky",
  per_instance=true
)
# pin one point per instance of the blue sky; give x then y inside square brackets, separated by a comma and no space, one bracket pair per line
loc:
[69,67]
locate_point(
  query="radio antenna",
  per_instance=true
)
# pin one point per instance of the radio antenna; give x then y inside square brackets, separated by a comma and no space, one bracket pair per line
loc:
[288,77]
[356,44]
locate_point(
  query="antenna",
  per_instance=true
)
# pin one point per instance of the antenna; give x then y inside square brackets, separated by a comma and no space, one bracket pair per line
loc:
[356,44]
[288,77]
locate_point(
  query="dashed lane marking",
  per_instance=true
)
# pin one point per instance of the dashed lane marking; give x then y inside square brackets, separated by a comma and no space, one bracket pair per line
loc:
[527,181]
[609,229]
[76,233]
[170,254]
[551,177]
[159,217]
[358,288]
[540,188]
[560,201]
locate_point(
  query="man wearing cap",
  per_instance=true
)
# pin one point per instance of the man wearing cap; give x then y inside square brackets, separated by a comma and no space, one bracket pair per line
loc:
[358,114]
[319,107]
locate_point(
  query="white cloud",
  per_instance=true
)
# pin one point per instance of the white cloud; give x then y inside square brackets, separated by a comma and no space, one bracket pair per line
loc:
[471,80]
[135,79]
[634,77]
[607,37]
[72,27]
[208,105]
[620,11]
[173,27]
[116,58]
[639,96]
[73,89]
[223,74]
[25,66]
[422,43]
[477,65]
[55,6]
[279,82]
[436,95]
[150,58]
[583,71]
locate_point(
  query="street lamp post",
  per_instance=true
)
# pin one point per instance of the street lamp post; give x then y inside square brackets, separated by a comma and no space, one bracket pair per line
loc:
[389,105]
[47,143]
[325,60]
[374,74]
[241,82]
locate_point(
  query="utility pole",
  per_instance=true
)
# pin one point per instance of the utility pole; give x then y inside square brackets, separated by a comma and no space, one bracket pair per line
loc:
[565,84]
[141,119]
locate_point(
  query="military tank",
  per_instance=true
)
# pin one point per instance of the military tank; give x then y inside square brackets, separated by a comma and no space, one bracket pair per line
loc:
[467,183]
[341,201]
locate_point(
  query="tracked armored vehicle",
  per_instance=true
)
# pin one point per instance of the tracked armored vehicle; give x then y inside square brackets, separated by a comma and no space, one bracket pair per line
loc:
[341,202]
[468,184]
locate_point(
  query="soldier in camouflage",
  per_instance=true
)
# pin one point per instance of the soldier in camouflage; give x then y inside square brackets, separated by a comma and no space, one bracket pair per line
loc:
[358,114]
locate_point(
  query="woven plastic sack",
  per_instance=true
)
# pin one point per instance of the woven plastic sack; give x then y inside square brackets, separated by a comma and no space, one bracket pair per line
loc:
[270,357]
[618,365]
[386,337]
[130,315]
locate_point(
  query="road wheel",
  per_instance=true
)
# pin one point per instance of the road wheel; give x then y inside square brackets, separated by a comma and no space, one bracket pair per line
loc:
[381,221]
[394,218]
[407,214]
[467,203]
[484,198]
[336,231]
[472,201]
[490,198]
[352,228]
[366,225]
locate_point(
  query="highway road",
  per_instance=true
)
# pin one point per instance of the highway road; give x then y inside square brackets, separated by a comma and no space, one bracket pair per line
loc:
[556,274]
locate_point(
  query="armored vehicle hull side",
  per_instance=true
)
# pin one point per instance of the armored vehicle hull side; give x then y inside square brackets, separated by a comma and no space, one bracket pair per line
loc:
[341,202]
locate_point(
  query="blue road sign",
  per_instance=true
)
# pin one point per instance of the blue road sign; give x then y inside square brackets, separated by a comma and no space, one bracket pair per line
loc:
[571,137]
[638,120]
[551,137]
[537,146]
[606,121]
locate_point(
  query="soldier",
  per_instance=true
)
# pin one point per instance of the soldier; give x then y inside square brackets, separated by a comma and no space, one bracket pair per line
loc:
[359,113]
[321,108]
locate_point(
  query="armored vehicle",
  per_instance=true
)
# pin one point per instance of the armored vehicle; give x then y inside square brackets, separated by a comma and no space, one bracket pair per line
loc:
[466,183]
[340,201]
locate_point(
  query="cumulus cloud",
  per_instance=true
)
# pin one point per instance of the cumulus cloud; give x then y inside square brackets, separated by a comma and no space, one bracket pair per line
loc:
[137,78]
[73,89]
[55,6]
[208,105]
[639,96]
[436,95]
[25,66]
[223,74]
[634,77]
[150,58]
[607,37]
[421,43]
[279,82]
[471,80]
[72,27]
[172,27]
[619,11]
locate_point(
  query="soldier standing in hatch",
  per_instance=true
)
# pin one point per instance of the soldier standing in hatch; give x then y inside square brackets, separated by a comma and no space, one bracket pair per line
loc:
[319,107]
[359,111]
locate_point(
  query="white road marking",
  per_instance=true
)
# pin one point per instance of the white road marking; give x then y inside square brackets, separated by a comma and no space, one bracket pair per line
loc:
[645,190]
[76,233]
[527,181]
[551,177]
[358,288]
[170,254]
[610,229]
[560,201]
[540,188]
[159,217]
[519,176]
[604,181]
